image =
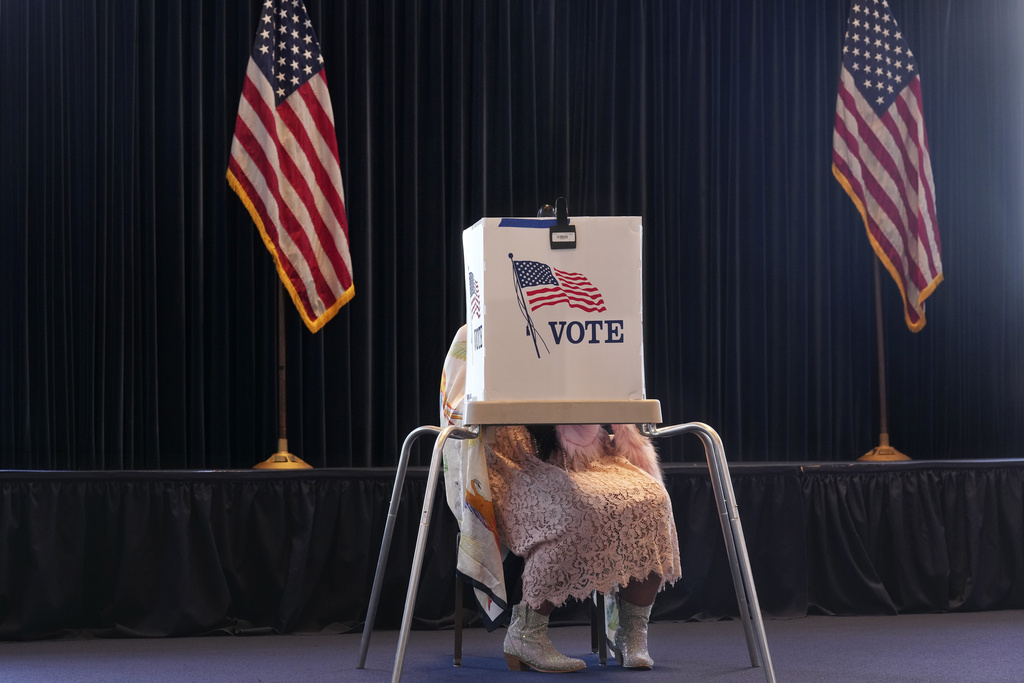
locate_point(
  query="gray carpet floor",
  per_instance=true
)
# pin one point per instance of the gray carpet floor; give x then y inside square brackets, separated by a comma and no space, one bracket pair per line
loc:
[981,646]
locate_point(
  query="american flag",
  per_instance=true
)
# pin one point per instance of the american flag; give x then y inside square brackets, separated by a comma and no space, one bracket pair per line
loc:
[474,296]
[880,153]
[284,162]
[543,285]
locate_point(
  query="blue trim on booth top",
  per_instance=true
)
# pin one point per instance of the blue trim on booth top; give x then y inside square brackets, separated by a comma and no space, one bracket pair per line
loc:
[526,222]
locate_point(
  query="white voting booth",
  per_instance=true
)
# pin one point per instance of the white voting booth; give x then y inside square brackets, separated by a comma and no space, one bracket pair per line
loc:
[555,336]
[554,315]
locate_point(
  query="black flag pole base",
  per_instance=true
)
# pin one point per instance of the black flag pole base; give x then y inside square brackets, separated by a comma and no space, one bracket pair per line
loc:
[884,452]
[283,460]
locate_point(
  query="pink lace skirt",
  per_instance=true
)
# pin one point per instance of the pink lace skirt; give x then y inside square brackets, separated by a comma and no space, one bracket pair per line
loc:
[582,530]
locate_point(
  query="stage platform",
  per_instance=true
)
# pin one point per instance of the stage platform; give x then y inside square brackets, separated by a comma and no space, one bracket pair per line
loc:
[174,553]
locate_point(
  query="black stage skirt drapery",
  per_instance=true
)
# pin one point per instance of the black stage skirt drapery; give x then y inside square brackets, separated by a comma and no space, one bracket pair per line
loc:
[187,553]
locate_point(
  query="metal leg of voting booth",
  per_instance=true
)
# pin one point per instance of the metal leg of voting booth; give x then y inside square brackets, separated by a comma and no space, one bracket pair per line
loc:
[389,530]
[735,545]
[421,539]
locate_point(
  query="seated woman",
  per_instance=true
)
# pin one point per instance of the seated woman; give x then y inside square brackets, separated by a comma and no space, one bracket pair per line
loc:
[586,510]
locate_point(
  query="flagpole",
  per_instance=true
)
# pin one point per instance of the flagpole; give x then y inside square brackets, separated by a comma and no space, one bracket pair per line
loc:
[883,452]
[282,459]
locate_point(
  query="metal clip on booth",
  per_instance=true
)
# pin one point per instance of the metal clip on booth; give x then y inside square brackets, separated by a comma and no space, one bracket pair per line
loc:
[505,377]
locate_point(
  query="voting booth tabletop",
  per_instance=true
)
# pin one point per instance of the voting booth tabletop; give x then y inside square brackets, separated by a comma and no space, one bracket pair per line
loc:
[182,553]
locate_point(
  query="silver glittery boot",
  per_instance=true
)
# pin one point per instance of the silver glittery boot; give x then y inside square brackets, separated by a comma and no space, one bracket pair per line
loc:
[527,644]
[631,636]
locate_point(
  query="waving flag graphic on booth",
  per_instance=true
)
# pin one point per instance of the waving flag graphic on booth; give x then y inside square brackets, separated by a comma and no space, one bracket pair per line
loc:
[543,285]
[539,285]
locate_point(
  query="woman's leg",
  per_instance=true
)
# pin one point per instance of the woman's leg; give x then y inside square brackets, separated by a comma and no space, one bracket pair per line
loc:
[545,609]
[641,593]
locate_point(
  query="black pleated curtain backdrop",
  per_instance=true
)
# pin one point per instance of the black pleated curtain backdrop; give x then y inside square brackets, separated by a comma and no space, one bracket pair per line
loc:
[137,307]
